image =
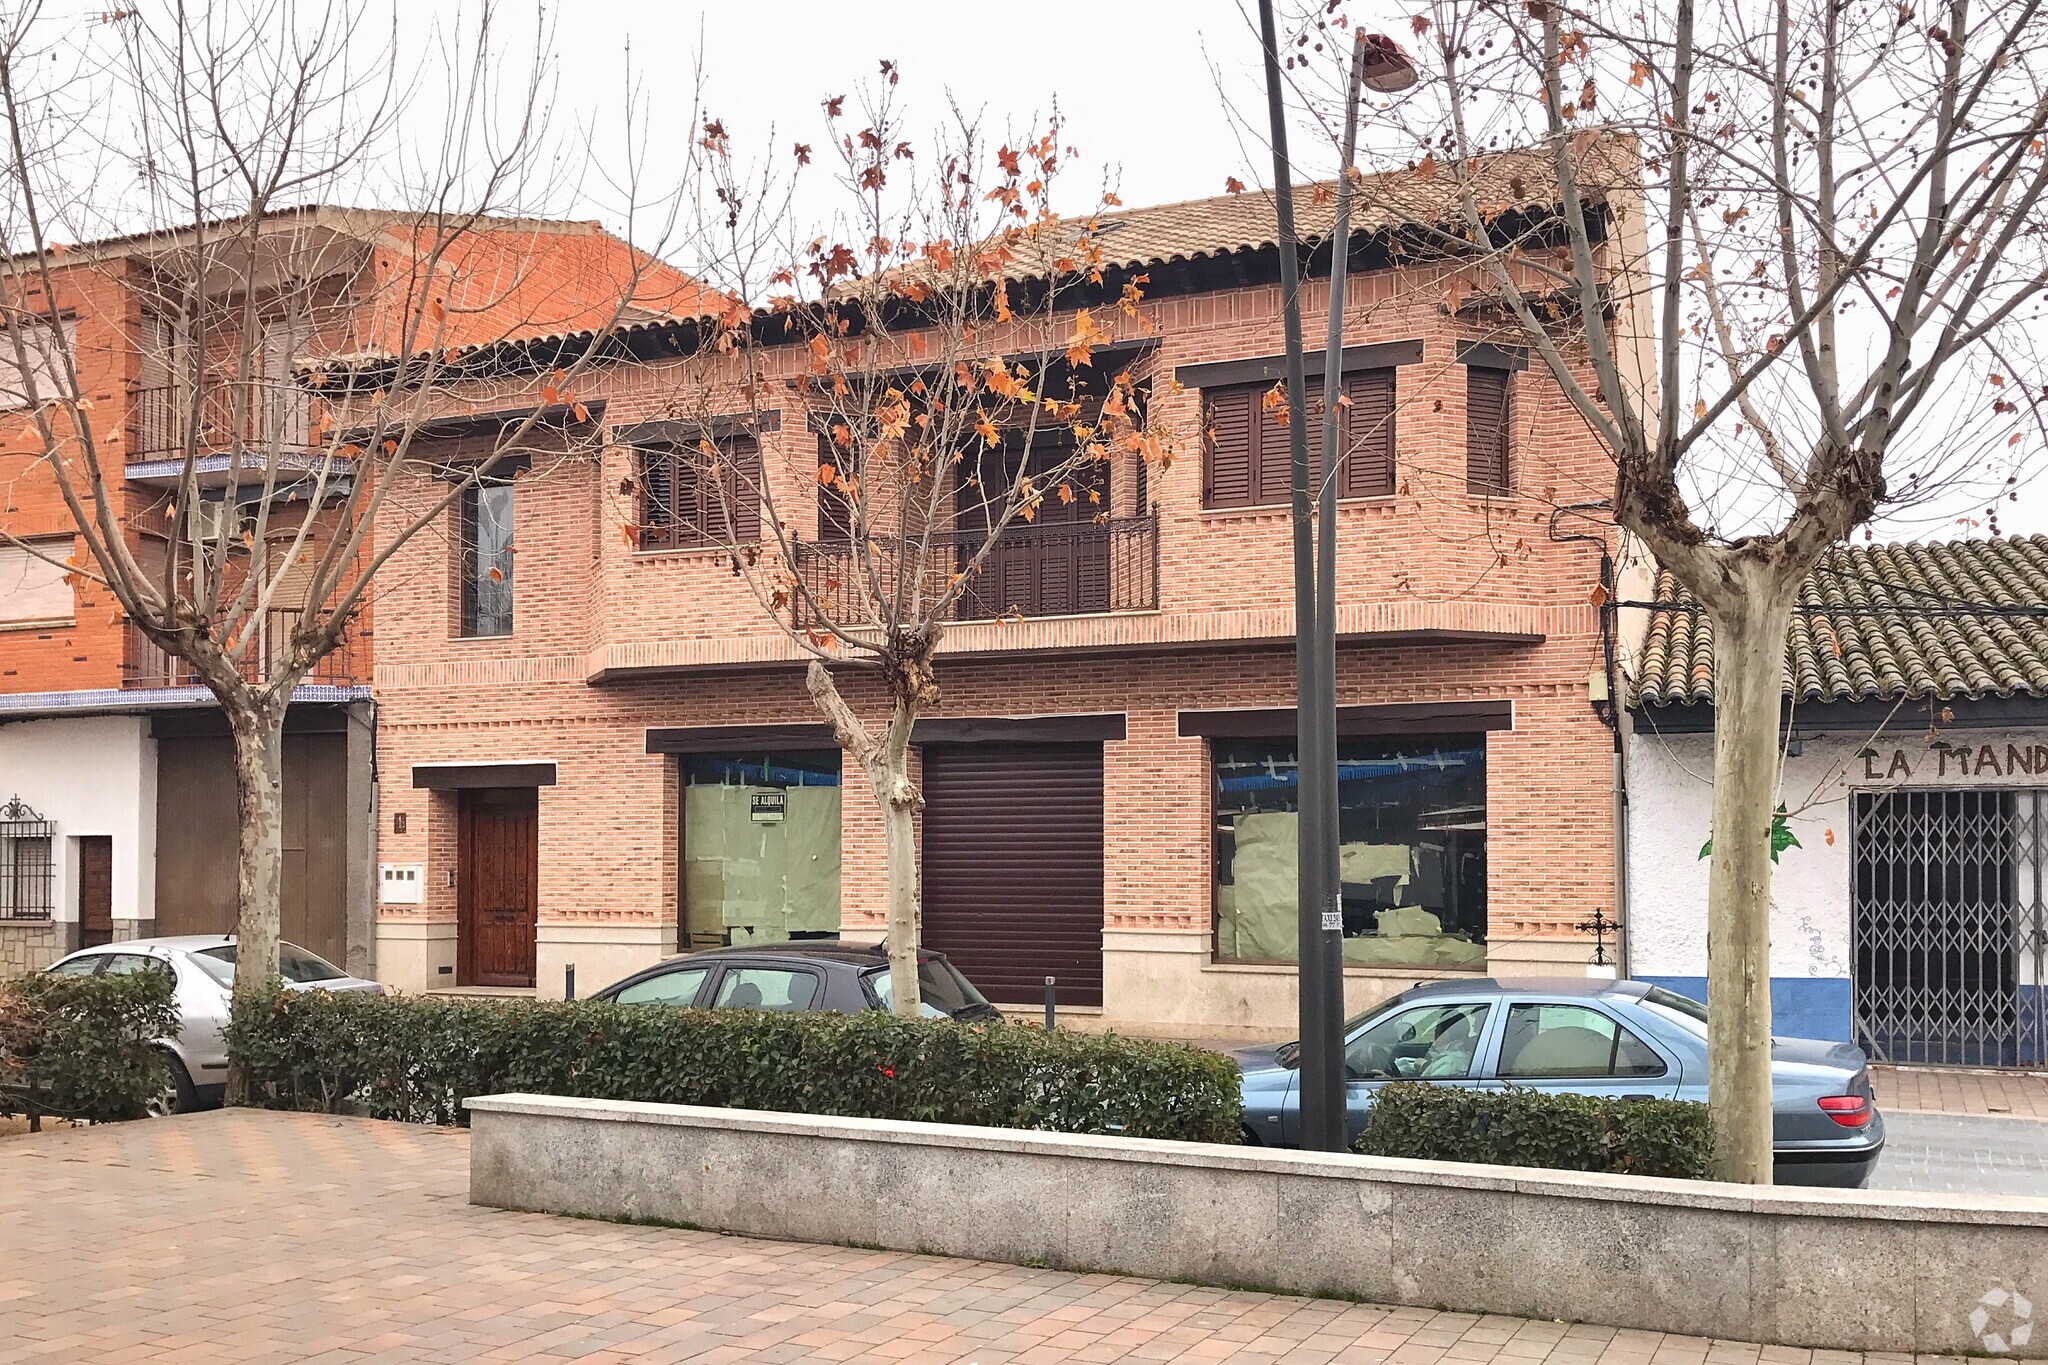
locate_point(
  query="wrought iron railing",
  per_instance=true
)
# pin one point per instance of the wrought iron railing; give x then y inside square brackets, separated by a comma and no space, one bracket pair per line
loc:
[1035,569]
[148,664]
[259,415]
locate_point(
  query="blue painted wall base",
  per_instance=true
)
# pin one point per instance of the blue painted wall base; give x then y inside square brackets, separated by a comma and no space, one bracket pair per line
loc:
[1801,1006]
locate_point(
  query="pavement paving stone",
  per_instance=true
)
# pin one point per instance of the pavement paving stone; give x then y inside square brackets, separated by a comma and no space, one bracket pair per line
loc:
[252,1237]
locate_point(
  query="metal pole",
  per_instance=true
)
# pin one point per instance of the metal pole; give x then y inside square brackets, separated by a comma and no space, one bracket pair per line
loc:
[1318,1102]
[1318,759]
[569,981]
[1049,983]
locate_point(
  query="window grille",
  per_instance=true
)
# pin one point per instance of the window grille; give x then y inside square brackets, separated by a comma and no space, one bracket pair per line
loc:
[27,873]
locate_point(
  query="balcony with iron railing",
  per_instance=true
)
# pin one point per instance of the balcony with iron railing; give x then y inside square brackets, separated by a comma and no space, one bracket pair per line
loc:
[1038,569]
[258,416]
[146,664]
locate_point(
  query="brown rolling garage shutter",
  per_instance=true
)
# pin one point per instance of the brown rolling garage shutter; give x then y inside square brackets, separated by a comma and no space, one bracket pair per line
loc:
[1369,432]
[1013,867]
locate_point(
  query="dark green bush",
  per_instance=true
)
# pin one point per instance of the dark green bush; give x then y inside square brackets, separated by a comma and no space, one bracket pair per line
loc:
[1517,1127]
[82,1047]
[417,1060]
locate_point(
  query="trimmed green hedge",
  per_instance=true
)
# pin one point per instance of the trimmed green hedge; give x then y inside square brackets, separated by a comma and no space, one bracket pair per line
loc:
[81,1047]
[1517,1127]
[417,1060]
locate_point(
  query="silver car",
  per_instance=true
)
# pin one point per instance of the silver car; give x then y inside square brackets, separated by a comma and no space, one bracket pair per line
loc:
[203,966]
[1624,1039]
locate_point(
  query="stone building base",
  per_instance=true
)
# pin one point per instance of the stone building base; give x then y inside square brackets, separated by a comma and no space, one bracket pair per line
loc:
[31,945]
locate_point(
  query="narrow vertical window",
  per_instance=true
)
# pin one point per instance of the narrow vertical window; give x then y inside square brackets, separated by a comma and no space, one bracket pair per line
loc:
[487,559]
[1488,417]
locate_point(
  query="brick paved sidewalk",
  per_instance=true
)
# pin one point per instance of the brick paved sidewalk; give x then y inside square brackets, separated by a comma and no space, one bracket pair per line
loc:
[245,1236]
[1946,1090]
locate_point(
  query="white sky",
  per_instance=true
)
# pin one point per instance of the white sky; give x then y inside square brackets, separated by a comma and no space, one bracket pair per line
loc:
[1163,99]
[1155,96]
[1131,77]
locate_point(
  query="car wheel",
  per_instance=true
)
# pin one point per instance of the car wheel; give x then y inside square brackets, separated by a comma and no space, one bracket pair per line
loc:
[175,1095]
[1248,1138]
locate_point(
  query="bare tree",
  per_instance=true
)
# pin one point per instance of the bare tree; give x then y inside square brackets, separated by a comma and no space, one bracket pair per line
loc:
[285,347]
[950,340]
[1797,249]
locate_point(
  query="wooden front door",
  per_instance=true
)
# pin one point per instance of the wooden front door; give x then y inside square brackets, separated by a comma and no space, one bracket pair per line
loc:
[95,890]
[497,886]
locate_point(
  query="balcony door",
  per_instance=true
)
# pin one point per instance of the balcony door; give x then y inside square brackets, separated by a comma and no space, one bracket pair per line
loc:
[1055,564]
[280,405]
[165,372]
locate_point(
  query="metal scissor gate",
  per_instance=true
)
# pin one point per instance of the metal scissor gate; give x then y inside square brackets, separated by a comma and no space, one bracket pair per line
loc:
[1948,930]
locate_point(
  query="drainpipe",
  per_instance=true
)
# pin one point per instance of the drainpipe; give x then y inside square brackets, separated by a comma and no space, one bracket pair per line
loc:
[1625,942]
[359,801]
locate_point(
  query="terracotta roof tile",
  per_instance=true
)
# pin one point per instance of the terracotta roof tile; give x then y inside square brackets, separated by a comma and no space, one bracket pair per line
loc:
[1892,621]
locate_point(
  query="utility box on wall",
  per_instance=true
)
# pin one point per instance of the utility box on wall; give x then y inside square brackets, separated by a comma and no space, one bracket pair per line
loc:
[401,883]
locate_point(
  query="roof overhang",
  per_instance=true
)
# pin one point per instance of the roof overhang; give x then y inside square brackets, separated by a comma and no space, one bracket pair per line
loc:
[1864,716]
[137,701]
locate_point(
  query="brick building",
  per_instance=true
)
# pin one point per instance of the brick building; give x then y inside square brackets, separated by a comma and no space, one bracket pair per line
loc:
[95,721]
[619,759]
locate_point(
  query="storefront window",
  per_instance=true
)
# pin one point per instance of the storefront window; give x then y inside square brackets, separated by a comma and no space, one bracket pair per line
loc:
[760,847]
[1411,831]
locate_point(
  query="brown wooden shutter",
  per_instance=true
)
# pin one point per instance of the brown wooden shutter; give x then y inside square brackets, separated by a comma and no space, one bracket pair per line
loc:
[657,497]
[1272,460]
[835,513]
[1227,416]
[1486,430]
[743,484]
[686,478]
[1369,434]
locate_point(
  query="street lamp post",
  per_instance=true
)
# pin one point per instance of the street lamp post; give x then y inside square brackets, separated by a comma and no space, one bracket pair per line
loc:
[1377,62]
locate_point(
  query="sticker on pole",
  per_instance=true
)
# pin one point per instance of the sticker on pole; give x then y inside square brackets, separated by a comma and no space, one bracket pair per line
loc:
[1333,915]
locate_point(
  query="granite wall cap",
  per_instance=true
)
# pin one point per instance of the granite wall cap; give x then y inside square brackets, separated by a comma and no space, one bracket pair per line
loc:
[1785,1201]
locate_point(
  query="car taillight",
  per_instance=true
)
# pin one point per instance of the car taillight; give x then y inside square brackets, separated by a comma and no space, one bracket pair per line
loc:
[1851,1111]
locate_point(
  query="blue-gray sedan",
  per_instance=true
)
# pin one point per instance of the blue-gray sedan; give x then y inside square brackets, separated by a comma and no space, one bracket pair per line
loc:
[1618,1038]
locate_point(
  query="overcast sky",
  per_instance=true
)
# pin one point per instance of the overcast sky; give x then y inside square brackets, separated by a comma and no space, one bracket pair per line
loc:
[1155,94]
[1132,78]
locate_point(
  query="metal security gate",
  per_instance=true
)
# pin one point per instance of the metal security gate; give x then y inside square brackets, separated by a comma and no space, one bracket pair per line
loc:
[1948,931]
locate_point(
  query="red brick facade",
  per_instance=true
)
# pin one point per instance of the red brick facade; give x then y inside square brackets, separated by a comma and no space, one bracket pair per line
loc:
[1443,596]
[84,700]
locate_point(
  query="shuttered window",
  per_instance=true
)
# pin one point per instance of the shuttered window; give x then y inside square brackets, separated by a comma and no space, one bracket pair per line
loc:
[1245,455]
[835,512]
[1488,413]
[1367,434]
[33,587]
[685,501]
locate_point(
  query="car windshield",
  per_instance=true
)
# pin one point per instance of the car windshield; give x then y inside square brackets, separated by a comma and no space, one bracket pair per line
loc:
[294,964]
[942,991]
[1688,1014]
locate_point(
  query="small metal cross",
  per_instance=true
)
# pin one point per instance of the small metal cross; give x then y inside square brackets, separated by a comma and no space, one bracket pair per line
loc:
[1598,927]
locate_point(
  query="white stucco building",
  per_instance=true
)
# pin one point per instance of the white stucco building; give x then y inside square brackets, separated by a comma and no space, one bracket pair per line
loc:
[1909,915]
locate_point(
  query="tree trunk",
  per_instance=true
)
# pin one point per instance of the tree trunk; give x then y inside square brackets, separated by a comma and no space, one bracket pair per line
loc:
[898,798]
[259,771]
[887,765]
[1749,661]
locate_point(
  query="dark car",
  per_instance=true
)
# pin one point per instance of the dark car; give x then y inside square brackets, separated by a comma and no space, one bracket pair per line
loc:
[1624,1039]
[806,974]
